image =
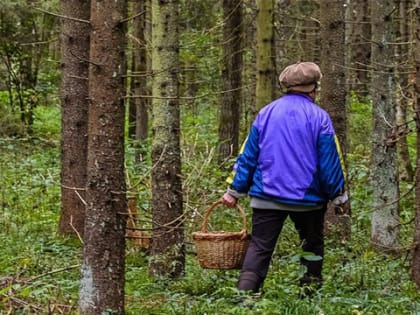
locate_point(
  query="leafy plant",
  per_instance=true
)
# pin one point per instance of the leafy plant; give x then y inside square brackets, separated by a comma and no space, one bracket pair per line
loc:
[40,271]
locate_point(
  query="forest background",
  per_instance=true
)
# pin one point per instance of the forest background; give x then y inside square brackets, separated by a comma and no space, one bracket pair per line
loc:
[368,270]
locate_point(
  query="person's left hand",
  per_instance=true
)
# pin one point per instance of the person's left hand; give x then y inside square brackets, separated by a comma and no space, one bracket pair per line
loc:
[229,201]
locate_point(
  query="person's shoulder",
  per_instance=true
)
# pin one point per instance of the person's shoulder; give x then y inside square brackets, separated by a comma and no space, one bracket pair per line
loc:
[269,106]
[318,108]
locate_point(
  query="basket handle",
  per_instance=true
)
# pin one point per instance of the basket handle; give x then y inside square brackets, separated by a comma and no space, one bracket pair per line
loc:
[216,203]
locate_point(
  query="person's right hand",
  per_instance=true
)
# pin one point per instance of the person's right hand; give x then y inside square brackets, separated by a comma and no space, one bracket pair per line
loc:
[341,199]
[229,201]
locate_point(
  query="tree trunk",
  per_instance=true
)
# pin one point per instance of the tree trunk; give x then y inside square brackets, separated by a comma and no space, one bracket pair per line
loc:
[74,115]
[265,62]
[131,113]
[404,89]
[415,264]
[249,64]
[142,65]
[385,212]
[168,252]
[139,104]
[230,110]
[333,93]
[360,51]
[102,283]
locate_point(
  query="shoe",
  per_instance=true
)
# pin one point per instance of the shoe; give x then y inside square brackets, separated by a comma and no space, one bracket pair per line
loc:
[247,300]
[309,286]
[307,292]
[249,281]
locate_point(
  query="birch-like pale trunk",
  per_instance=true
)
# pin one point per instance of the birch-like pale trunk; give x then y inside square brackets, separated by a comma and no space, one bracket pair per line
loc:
[168,249]
[385,207]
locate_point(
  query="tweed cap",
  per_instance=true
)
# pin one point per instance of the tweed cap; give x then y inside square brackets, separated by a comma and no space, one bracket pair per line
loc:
[300,77]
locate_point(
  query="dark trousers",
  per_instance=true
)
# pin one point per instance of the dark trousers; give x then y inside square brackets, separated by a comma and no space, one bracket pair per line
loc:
[266,227]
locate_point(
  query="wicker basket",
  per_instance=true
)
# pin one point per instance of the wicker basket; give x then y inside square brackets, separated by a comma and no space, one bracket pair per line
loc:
[139,238]
[220,249]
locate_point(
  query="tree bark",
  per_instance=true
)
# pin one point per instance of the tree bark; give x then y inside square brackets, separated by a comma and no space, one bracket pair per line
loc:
[168,250]
[230,107]
[404,89]
[74,115]
[102,283]
[249,64]
[415,264]
[139,105]
[385,212]
[360,52]
[333,92]
[265,61]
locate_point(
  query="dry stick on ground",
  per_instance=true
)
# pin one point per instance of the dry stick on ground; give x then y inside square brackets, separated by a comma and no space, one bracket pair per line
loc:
[28,281]
[22,303]
[34,278]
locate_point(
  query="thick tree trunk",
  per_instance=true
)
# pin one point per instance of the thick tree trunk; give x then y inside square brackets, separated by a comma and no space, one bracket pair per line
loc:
[168,251]
[333,93]
[74,115]
[265,61]
[415,265]
[230,110]
[385,212]
[102,283]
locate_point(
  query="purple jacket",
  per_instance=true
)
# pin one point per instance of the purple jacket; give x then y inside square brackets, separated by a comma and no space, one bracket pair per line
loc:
[291,155]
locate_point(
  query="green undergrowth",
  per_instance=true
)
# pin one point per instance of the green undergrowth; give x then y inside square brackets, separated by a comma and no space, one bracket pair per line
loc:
[39,272]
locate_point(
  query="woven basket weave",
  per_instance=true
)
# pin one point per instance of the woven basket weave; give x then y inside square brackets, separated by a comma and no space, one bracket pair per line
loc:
[220,249]
[138,237]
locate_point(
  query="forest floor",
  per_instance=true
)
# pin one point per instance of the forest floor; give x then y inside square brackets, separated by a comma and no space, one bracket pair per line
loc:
[39,271]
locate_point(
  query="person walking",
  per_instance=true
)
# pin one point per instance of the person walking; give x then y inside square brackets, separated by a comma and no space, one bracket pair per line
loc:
[291,166]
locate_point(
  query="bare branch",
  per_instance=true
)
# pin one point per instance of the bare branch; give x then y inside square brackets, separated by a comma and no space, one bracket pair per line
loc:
[132,17]
[62,16]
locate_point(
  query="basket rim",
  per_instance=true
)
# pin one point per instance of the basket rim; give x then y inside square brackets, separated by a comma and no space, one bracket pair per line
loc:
[221,236]
[220,202]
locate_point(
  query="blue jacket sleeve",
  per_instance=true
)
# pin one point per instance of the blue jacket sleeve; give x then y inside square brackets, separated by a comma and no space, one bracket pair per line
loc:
[331,166]
[242,174]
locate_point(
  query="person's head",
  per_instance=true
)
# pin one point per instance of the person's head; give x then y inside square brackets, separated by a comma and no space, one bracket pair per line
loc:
[301,77]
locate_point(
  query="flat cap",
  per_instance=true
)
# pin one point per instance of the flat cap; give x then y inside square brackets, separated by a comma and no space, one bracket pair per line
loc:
[300,77]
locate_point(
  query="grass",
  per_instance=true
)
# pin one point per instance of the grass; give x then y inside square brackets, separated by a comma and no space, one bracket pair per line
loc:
[39,271]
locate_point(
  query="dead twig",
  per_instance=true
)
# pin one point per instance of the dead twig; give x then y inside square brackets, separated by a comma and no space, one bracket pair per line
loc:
[34,278]
[75,230]
[132,17]
[63,16]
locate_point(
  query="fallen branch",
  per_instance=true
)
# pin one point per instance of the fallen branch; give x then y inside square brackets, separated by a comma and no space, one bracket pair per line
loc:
[34,278]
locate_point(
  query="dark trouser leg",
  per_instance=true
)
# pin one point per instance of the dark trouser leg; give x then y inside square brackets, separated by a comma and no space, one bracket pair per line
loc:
[310,227]
[266,227]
